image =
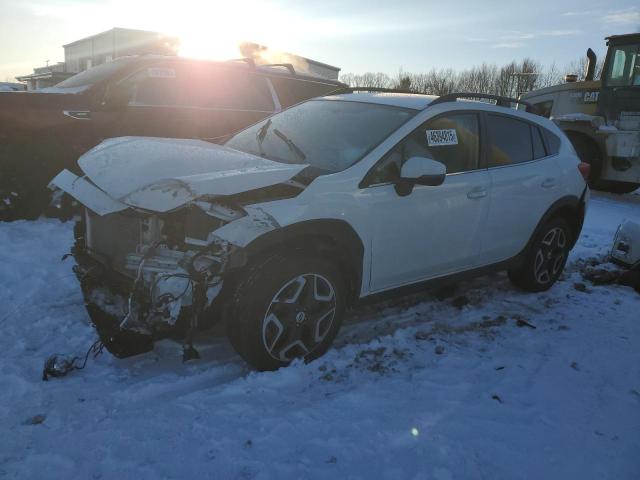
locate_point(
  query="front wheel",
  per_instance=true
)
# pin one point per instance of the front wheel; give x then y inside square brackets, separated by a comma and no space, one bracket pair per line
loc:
[545,259]
[286,307]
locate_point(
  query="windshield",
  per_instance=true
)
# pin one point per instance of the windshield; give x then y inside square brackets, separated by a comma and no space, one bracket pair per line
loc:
[624,66]
[94,75]
[330,135]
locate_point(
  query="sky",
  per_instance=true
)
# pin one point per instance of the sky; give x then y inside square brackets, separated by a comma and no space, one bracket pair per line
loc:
[356,35]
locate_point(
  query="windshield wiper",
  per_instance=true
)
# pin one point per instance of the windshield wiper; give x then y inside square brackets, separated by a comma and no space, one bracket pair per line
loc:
[292,146]
[262,132]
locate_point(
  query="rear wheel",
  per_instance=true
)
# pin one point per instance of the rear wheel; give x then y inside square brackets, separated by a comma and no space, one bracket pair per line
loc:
[286,307]
[545,258]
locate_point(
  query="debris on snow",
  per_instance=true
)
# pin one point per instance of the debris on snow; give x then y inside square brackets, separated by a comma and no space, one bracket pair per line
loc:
[36,419]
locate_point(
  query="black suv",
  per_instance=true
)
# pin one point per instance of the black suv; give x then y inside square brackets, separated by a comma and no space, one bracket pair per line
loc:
[44,131]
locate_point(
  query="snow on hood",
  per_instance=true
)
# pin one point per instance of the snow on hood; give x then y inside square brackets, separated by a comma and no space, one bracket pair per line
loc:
[161,174]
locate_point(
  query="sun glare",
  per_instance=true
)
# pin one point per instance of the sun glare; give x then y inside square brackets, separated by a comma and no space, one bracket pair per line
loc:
[206,45]
[214,30]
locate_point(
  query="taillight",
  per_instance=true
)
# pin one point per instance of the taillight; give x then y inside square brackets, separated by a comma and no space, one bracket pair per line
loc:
[585,170]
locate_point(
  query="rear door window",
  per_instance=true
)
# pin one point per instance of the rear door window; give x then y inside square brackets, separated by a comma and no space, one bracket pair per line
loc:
[509,141]
[219,88]
[154,86]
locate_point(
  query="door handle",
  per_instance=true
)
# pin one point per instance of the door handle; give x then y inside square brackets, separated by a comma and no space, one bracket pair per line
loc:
[478,192]
[77,114]
[549,183]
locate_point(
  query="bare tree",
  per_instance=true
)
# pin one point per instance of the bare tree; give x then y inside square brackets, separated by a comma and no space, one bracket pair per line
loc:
[368,79]
[509,80]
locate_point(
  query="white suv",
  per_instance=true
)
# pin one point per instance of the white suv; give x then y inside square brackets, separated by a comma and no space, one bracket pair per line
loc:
[299,216]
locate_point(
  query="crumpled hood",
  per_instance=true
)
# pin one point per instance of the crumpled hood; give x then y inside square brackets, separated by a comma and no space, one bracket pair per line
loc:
[161,174]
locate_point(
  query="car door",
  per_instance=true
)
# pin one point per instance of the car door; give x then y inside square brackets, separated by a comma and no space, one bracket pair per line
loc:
[153,108]
[435,229]
[524,183]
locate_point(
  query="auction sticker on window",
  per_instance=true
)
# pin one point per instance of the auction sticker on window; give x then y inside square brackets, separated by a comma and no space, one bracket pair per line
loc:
[161,72]
[438,138]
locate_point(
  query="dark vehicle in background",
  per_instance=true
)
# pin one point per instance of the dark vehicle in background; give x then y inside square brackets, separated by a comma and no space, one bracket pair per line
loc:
[602,117]
[44,131]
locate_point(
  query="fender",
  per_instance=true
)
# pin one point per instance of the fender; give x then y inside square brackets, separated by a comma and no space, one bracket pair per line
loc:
[326,236]
[571,208]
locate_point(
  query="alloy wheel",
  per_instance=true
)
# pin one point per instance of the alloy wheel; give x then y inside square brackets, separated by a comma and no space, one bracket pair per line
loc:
[550,256]
[299,317]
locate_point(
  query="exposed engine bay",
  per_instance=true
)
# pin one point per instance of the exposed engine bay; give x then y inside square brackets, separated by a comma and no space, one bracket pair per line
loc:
[146,277]
[151,275]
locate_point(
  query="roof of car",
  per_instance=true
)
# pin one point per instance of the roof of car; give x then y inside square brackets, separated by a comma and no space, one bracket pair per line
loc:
[403,100]
[269,69]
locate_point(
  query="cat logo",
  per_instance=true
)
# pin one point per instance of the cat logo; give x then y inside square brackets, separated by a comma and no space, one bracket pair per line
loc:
[591,97]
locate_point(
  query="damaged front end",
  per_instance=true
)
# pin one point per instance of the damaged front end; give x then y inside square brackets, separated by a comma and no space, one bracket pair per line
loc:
[147,277]
[164,223]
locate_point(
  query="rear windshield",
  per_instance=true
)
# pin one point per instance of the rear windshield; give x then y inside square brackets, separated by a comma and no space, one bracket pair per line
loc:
[330,135]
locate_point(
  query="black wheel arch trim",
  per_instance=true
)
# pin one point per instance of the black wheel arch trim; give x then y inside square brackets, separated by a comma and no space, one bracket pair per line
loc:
[310,234]
[572,208]
[325,236]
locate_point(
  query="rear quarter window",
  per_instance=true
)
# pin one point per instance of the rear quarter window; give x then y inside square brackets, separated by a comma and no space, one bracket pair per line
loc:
[552,141]
[538,144]
[544,108]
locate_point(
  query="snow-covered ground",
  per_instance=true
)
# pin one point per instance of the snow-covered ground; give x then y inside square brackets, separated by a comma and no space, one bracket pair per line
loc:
[415,388]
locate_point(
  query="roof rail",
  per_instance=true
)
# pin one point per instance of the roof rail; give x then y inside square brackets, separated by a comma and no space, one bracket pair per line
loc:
[248,61]
[288,66]
[340,91]
[450,97]
[500,101]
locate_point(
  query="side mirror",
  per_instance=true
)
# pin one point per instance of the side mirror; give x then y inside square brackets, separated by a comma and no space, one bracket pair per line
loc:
[117,97]
[420,171]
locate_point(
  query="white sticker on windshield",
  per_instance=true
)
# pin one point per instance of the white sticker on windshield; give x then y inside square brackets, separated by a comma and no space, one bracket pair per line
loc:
[157,72]
[438,138]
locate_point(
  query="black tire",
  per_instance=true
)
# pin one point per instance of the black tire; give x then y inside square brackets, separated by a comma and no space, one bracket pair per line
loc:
[545,258]
[268,328]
